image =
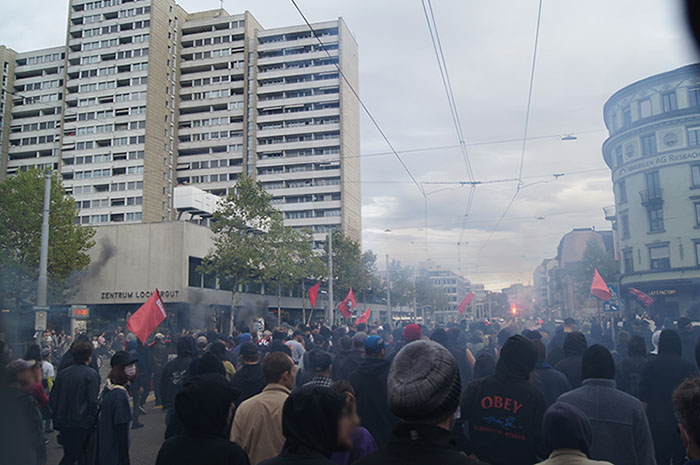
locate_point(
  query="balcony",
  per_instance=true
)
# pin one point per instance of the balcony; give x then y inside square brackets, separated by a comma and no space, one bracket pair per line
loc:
[652,197]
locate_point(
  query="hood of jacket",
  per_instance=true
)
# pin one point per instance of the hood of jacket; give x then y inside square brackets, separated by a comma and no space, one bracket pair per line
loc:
[670,343]
[202,405]
[186,347]
[373,366]
[518,358]
[250,373]
[310,419]
[575,344]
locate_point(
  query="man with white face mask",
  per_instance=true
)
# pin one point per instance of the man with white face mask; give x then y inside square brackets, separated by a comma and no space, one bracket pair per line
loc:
[115,414]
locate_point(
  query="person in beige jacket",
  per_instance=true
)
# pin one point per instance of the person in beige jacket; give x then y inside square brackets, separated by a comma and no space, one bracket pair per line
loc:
[567,432]
[257,425]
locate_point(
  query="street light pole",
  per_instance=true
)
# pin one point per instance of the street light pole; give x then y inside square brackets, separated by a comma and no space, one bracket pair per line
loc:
[44,250]
[388,293]
[329,316]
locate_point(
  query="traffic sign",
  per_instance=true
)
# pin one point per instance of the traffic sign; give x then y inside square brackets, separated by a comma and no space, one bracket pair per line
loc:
[40,318]
[611,307]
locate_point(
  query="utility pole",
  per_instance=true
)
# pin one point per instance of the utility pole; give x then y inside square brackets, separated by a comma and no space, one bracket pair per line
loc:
[44,250]
[415,309]
[329,316]
[388,293]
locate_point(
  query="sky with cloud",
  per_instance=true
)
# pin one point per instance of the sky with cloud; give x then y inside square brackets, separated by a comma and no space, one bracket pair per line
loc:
[587,51]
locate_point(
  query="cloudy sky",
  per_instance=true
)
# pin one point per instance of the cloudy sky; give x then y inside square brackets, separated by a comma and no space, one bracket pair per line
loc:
[587,51]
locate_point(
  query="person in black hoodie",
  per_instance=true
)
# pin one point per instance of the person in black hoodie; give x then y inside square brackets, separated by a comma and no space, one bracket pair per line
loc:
[660,376]
[575,345]
[250,379]
[354,359]
[204,405]
[315,424]
[369,383]
[502,414]
[628,371]
[424,387]
[552,382]
[343,351]
[174,374]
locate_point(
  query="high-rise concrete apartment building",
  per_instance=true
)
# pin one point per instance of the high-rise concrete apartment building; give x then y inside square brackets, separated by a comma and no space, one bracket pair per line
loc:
[145,96]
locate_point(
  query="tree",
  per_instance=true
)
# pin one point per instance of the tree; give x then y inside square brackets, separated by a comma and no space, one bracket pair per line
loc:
[351,267]
[21,209]
[594,257]
[242,246]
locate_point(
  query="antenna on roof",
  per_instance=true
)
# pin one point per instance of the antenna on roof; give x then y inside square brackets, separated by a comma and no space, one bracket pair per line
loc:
[221,2]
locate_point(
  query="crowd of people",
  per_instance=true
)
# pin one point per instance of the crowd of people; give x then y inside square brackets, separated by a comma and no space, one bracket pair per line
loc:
[521,392]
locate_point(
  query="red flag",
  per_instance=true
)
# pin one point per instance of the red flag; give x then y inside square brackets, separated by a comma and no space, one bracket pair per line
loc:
[643,297]
[599,288]
[465,303]
[364,318]
[347,305]
[313,293]
[148,317]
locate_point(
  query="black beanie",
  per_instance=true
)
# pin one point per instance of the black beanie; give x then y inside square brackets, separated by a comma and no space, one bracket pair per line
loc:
[597,363]
[565,426]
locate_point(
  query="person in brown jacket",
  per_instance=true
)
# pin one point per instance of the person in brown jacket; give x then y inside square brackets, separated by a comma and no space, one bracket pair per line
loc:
[257,426]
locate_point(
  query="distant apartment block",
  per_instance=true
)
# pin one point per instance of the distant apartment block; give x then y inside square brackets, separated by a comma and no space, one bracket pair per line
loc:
[145,96]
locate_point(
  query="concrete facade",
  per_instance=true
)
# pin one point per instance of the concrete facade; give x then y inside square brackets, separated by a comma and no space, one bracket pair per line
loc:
[145,96]
[653,152]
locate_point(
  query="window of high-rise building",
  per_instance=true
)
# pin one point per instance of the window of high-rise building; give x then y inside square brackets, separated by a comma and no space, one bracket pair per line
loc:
[659,257]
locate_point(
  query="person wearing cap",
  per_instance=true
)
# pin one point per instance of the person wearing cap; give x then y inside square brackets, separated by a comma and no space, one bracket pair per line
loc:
[321,365]
[204,406]
[315,423]
[22,421]
[567,433]
[412,332]
[369,383]
[115,413]
[620,429]
[174,374]
[502,413]
[73,401]
[257,425]
[355,358]
[659,377]
[250,379]
[424,386]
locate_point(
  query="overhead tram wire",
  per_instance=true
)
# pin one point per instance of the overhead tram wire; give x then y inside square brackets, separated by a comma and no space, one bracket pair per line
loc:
[357,96]
[524,139]
[454,112]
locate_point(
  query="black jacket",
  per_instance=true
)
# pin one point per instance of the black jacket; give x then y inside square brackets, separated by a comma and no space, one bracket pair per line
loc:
[575,345]
[21,428]
[249,381]
[628,374]
[310,425]
[502,413]
[552,382]
[660,376]
[67,360]
[340,357]
[202,405]
[369,383]
[175,371]
[419,445]
[351,363]
[73,398]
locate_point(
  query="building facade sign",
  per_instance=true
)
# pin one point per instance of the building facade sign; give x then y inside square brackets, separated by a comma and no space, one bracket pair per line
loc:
[139,294]
[655,162]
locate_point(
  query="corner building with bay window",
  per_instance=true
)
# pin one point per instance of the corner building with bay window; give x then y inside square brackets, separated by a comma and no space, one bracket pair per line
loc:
[653,150]
[145,96]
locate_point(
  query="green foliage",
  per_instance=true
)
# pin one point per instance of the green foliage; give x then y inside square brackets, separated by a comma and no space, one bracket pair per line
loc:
[594,256]
[352,268]
[21,207]
[252,242]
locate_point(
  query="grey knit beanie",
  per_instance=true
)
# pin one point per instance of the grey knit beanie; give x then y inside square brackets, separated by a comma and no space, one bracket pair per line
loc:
[424,385]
